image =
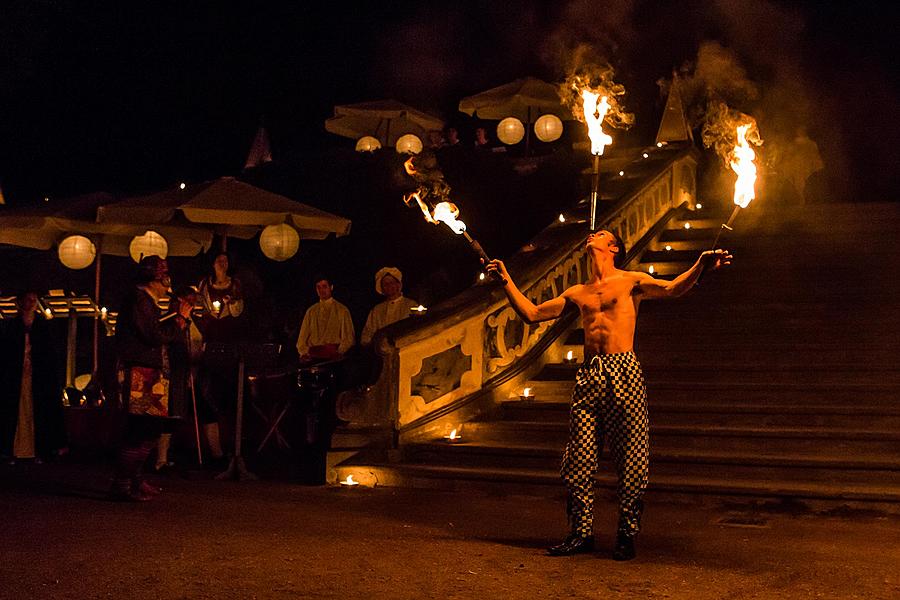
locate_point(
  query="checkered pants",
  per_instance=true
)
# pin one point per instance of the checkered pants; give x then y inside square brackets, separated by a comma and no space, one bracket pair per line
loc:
[609,400]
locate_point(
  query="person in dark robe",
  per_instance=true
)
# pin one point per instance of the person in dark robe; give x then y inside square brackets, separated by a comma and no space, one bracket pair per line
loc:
[32,425]
[141,340]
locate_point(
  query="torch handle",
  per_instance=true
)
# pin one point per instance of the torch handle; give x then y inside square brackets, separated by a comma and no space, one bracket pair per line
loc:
[726,225]
[477,248]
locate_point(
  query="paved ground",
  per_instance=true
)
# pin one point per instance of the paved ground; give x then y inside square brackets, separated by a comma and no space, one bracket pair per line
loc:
[208,539]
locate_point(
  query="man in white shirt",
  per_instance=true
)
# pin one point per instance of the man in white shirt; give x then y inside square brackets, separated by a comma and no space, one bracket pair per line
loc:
[388,283]
[327,329]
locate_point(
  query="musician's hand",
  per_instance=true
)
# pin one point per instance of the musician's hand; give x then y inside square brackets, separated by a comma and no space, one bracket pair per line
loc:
[714,259]
[496,268]
[185,309]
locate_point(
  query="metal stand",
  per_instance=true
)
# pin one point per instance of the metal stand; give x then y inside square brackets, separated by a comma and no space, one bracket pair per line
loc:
[237,470]
[196,420]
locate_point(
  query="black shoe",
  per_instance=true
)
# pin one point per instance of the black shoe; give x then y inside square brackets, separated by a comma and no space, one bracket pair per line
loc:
[624,549]
[574,544]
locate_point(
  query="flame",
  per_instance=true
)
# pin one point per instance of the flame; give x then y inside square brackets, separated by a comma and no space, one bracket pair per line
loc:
[526,392]
[569,355]
[594,113]
[446,212]
[453,435]
[349,480]
[742,164]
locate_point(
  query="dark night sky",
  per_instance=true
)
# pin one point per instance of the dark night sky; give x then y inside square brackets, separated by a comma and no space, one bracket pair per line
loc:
[127,96]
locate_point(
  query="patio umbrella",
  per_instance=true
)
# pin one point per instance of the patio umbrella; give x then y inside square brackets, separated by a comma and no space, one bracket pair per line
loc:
[43,227]
[225,206]
[386,120]
[525,99]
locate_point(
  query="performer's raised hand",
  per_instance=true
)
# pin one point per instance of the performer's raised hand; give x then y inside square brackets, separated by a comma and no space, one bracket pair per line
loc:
[496,268]
[714,259]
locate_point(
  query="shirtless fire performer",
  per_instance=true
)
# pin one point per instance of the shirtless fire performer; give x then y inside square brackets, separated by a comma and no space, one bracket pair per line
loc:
[609,399]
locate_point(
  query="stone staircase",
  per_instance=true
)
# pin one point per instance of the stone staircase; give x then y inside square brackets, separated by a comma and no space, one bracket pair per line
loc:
[775,380]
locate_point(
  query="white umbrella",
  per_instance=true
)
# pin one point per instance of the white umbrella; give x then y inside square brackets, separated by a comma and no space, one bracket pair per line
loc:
[226,206]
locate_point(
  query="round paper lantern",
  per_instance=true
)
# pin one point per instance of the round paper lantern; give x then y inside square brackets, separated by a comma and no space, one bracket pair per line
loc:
[409,144]
[149,244]
[510,131]
[279,242]
[367,144]
[77,252]
[548,128]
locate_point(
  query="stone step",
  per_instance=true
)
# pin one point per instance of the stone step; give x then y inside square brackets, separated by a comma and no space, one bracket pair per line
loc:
[737,392]
[827,374]
[818,467]
[695,438]
[663,412]
[546,483]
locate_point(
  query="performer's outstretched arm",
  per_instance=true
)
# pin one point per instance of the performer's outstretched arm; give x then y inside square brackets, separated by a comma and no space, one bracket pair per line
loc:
[651,287]
[525,308]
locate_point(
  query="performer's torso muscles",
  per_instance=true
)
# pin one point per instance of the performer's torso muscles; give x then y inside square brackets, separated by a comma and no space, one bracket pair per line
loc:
[608,313]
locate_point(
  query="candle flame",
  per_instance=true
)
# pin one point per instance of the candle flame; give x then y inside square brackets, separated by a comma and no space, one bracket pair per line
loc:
[569,355]
[526,392]
[453,435]
[595,108]
[349,480]
[742,164]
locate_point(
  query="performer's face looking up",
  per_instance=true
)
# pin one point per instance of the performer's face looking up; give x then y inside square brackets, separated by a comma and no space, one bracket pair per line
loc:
[603,242]
[323,289]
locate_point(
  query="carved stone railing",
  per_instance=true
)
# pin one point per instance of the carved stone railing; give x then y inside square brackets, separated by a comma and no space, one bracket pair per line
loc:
[437,365]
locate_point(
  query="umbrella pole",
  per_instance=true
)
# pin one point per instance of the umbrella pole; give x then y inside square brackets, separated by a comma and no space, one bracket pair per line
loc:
[97,266]
[528,134]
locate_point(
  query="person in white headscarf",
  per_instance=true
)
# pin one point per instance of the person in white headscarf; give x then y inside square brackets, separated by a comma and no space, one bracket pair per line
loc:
[388,283]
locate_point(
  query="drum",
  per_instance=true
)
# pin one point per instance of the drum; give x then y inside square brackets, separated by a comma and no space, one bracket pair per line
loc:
[315,378]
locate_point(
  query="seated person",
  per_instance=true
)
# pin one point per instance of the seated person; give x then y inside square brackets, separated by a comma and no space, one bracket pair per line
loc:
[388,283]
[326,332]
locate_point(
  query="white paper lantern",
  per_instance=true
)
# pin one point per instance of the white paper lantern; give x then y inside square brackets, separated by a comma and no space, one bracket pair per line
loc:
[149,244]
[77,252]
[510,131]
[279,242]
[408,144]
[367,144]
[548,128]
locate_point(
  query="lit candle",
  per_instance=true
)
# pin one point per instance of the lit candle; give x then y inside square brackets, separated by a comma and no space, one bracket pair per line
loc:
[668,248]
[651,270]
[562,218]
[349,483]
[481,277]
[419,310]
[48,313]
[698,206]
[687,225]
[570,358]
[453,437]
[526,394]
[217,306]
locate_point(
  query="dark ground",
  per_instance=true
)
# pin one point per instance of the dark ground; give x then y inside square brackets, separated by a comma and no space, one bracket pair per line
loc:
[209,539]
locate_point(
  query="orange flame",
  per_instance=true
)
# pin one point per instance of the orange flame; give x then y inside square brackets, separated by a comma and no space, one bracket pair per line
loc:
[453,435]
[446,212]
[742,164]
[349,480]
[595,109]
